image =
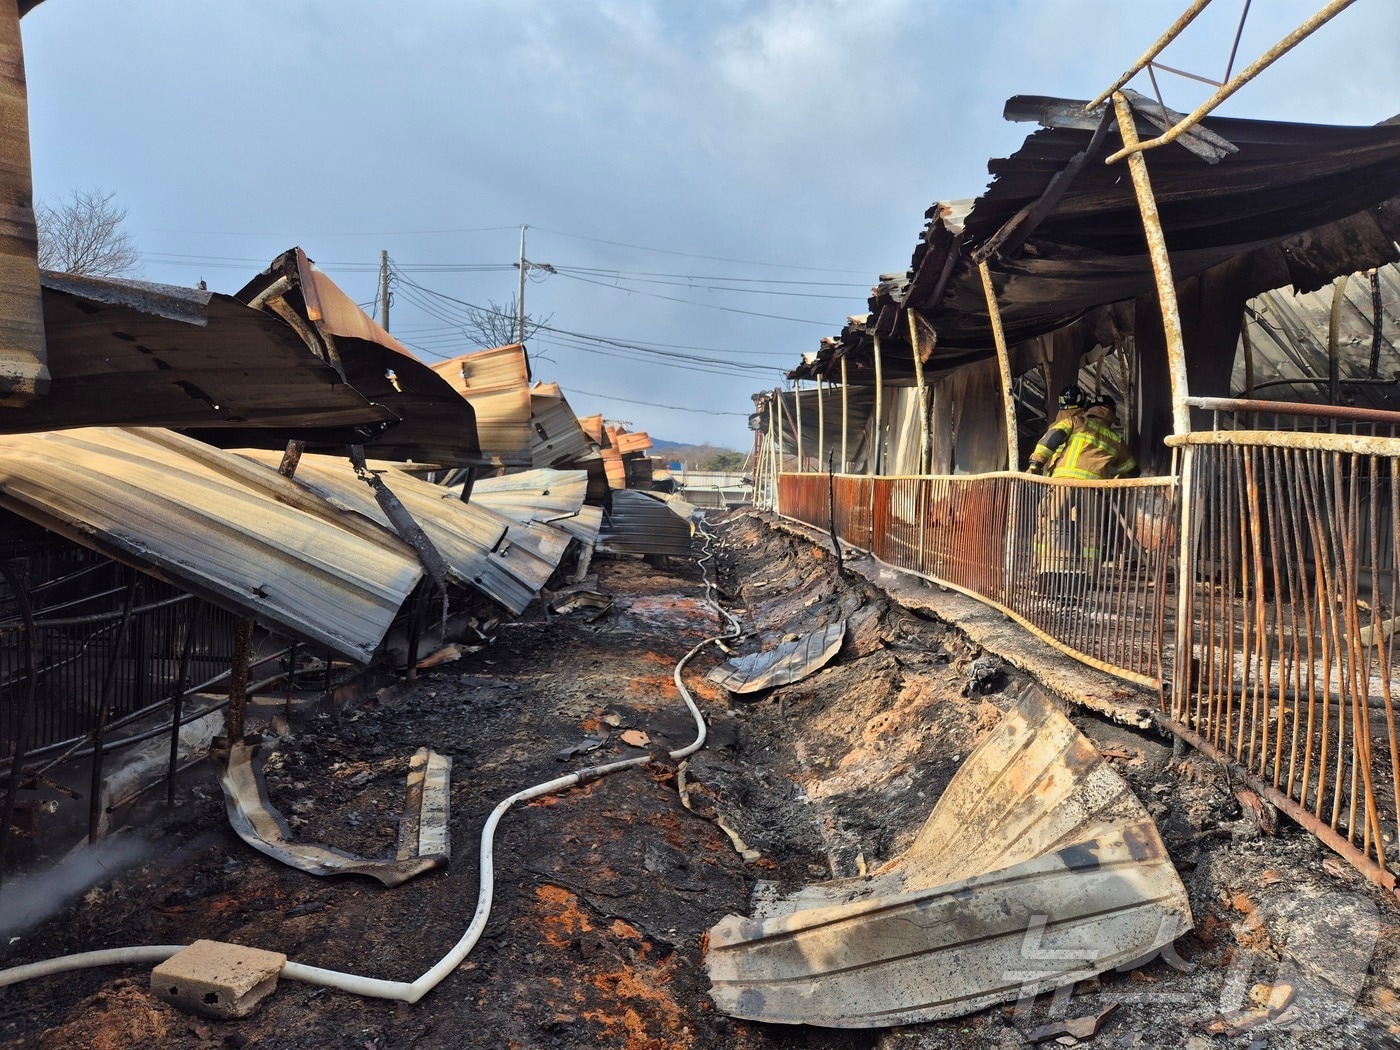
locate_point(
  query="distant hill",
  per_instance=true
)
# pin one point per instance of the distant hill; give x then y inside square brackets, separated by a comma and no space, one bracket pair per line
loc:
[698,457]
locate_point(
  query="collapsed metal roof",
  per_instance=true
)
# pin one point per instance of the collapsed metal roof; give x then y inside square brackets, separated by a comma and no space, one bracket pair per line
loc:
[509,561]
[212,523]
[132,353]
[645,523]
[434,424]
[546,497]
[1304,202]
[559,439]
[496,383]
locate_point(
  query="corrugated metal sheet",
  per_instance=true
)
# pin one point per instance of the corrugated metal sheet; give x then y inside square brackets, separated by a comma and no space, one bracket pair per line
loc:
[626,442]
[549,497]
[132,353]
[1037,868]
[497,385]
[642,523]
[208,521]
[615,469]
[558,439]
[1288,335]
[593,427]
[434,424]
[507,561]
[787,662]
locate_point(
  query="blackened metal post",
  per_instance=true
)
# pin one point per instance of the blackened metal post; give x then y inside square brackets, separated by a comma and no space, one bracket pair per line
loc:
[26,711]
[238,678]
[105,702]
[178,710]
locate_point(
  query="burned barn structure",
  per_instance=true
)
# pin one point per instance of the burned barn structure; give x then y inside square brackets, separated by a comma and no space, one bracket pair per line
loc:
[1231,285]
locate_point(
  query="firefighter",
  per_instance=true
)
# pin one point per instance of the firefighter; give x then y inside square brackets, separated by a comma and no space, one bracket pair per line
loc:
[1095,450]
[1052,444]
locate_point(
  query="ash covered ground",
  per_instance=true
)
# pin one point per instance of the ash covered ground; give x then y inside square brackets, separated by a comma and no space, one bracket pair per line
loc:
[604,893]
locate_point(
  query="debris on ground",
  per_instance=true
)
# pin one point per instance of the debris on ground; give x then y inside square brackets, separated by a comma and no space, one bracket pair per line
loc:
[603,894]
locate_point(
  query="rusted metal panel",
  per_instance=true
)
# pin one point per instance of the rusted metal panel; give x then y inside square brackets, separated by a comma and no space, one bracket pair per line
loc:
[784,664]
[644,523]
[507,561]
[134,353]
[615,469]
[1291,666]
[23,371]
[1083,565]
[1036,841]
[554,498]
[424,843]
[558,440]
[496,383]
[434,424]
[207,521]
[626,442]
[593,427]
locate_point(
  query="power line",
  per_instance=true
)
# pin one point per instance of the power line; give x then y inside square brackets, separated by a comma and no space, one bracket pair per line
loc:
[653,404]
[691,302]
[692,255]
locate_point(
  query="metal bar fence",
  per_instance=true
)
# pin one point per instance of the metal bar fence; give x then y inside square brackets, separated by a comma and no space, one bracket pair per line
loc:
[1084,565]
[78,607]
[1294,604]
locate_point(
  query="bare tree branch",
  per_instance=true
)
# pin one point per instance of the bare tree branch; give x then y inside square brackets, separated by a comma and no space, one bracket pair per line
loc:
[83,234]
[495,325]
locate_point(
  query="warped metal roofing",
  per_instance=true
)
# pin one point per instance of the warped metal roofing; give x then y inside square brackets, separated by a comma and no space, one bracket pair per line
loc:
[210,522]
[547,497]
[132,353]
[496,383]
[1303,202]
[434,424]
[508,561]
[644,523]
[559,440]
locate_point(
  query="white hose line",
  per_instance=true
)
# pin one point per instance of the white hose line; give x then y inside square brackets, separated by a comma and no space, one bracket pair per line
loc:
[403,991]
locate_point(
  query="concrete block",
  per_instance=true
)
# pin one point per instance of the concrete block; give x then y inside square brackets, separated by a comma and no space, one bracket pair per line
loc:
[216,979]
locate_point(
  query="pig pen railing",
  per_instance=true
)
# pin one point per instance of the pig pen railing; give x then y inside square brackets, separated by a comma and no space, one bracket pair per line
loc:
[1083,565]
[1289,668]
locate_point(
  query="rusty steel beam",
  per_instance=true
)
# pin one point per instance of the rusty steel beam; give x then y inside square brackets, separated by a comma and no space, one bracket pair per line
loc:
[1292,408]
[1008,401]
[872,455]
[1251,71]
[1161,269]
[845,417]
[924,435]
[1173,31]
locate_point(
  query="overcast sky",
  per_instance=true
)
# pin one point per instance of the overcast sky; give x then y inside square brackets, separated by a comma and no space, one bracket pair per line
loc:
[723,179]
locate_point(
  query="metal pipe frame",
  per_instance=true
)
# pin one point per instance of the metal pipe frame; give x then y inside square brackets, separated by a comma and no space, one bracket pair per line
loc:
[919,388]
[1174,31]
[1161,268]
[1247,74]
[1008,397]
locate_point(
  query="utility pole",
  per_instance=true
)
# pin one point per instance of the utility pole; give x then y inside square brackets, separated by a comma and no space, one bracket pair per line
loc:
[520,296]
[384,289]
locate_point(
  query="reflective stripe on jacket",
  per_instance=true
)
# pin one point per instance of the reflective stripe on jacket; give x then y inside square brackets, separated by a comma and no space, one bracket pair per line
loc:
[1052,442]
[1095,450]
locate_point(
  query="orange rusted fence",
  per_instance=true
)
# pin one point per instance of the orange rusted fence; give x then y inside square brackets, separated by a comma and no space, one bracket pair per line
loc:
[1084,565]
[1292,669]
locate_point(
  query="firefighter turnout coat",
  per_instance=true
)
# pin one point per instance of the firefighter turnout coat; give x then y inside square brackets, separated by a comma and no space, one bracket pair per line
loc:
[1094,449]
